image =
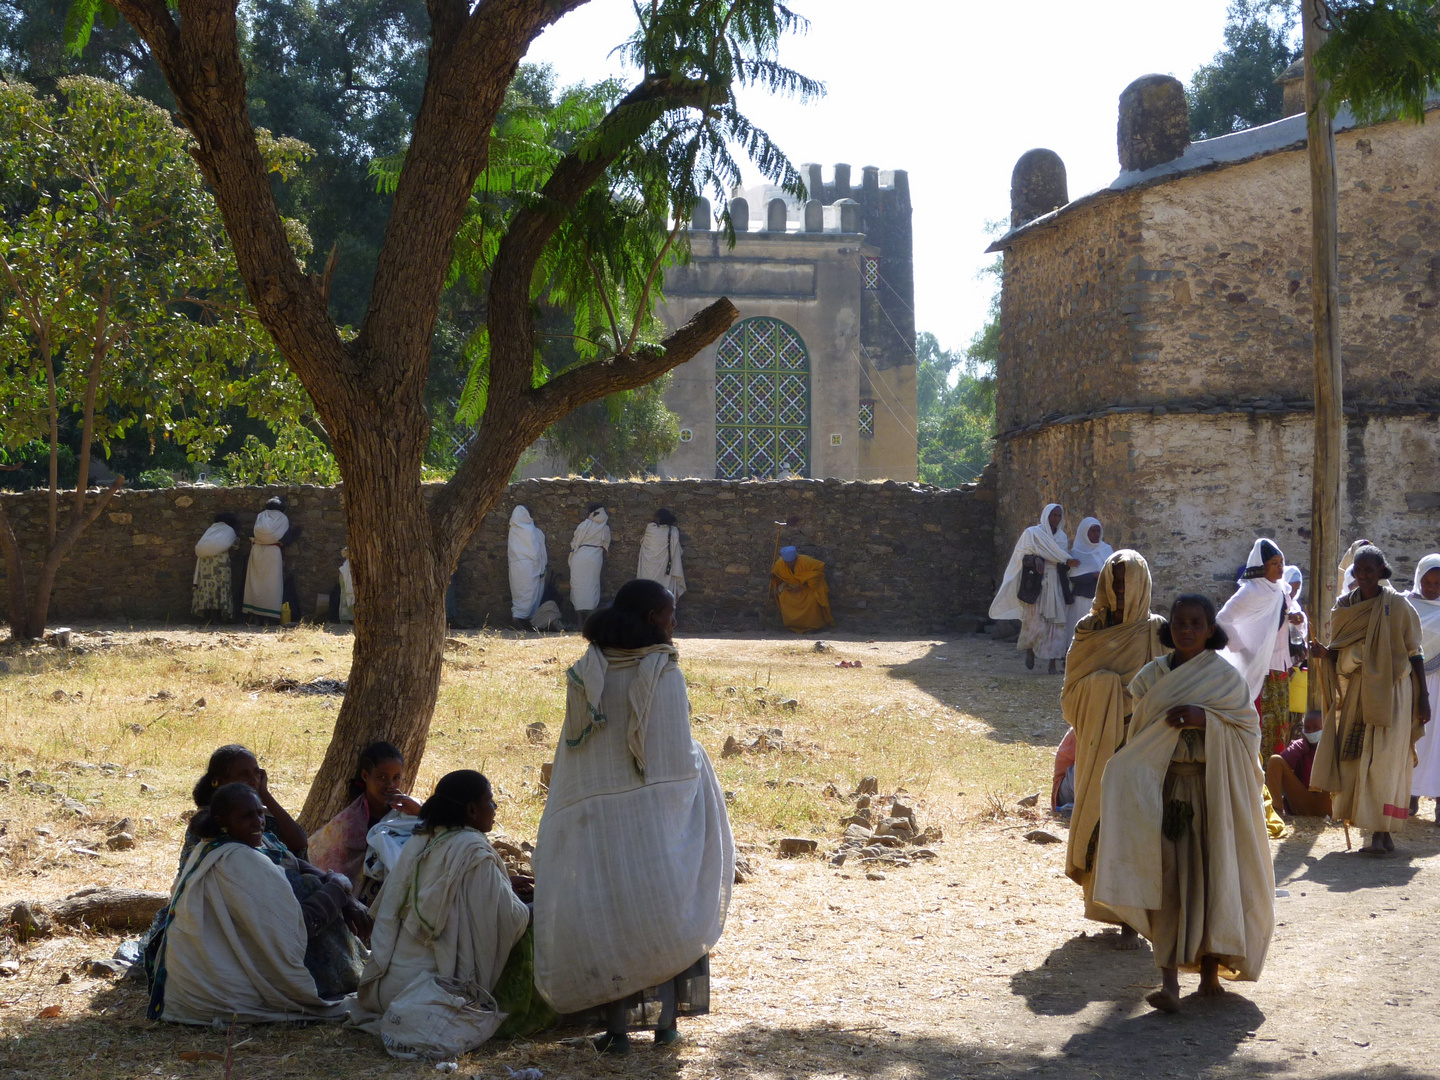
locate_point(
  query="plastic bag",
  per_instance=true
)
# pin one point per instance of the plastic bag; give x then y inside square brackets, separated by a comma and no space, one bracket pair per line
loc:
[383,844]
[438,1020]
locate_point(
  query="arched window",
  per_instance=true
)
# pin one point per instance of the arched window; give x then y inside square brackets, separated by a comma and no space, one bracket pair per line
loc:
[762,402]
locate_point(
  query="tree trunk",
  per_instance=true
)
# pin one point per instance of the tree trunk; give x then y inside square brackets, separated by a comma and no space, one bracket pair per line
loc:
[17,600]
[1329,378]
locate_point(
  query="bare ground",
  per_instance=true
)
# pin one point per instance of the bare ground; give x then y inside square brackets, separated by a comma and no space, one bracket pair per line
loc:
[975,965]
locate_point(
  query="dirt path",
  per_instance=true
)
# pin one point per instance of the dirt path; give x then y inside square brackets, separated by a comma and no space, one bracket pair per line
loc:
[975,965]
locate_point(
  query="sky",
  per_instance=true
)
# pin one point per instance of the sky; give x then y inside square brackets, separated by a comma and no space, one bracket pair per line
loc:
[953,91]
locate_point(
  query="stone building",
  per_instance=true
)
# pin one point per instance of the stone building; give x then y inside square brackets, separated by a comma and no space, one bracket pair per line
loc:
[1155,350]
[817,379]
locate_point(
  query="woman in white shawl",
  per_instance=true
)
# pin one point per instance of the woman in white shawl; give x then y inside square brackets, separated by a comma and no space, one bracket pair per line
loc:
[1424,597]
[1183,856]
[587,557]
[265,573]
[1043,620]
[1089,554]
[234,938]
[661,554]
[528,560]
[1256,621]
[634,861]
[214,594]
[450,910]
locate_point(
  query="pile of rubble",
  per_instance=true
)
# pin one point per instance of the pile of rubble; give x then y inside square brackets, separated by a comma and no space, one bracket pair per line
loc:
[881,830]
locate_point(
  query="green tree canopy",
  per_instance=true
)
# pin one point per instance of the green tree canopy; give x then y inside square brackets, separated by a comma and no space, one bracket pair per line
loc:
[1237,89]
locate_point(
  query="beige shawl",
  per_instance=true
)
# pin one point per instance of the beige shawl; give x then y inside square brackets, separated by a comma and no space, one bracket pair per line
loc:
[1240,885]
[1386,631]
[1095,702]
[586,679]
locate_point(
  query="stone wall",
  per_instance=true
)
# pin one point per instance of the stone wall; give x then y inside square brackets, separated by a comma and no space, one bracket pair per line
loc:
[1192,491]
[899,557]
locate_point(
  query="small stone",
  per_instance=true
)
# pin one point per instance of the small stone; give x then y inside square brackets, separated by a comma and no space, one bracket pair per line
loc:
[137,729]
[789,704]
[862,819]
[64,978]
[102,969]
[862,803]
[9,968]
[120,842]
[857,832]
[868,786]
[798,845]
[59,695]
[821,646]
[1029,800]
[145,788]
[109,766]
[838,859]
[38,788]
[732,747]
[124,825]
[199,703]
[42,831]
[545,772]
[923,853]
[832,792]
[1040,836]
[730,796]
[537,732]
[76,807]
[25,774]
[744,870]
[874,875]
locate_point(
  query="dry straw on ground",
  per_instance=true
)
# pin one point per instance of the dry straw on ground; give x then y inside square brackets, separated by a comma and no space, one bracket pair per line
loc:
[971,965]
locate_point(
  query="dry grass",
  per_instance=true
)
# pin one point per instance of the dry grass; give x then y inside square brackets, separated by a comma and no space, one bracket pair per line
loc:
[972,965]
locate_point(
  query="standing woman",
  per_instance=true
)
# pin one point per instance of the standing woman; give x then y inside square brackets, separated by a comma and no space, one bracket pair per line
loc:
[634,861]
[587,557]
[1425,599]
[527,556]
[1183,856]
[661,554]
[1376,702]
[1256,619]
[214,595]
[1090,552]
[265,574]
[1118,638]
[1032,592]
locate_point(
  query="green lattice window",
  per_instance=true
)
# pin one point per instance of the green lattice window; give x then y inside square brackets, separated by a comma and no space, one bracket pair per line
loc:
[867,418]
[762,401]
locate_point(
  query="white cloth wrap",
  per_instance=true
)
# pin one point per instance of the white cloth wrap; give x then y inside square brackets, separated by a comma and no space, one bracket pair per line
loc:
[446,909]
[633,871]
[1252,619]
[1092,556]
[587,558]
[236,945]
[347,593]
[265,572]
[1426,780]
[1054,549]
[528,560]
[659,549]
[217,540]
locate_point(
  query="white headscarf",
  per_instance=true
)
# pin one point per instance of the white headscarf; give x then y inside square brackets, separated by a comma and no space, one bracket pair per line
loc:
[1253,618]
[1092,556]
[1428,610]
[1054,549]
[526,549]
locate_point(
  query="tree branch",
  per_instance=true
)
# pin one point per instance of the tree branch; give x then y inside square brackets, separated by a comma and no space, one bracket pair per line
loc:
[19,609]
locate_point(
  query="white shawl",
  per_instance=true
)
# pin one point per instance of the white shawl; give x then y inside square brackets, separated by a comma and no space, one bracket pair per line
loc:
[633,871]
[660,560]
[235,948]
[446,909]
[527,564]
[1429,612]
[218,539]
[265,571]
[587,556]
[1054,549]
[1092,556]
[1240,879]
[1252,618]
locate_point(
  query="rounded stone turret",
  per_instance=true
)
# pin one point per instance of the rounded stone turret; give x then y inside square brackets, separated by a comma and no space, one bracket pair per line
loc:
[700,216]
[1154,122]
[775,216]
[1292,87]
[1037,186]
[740,213]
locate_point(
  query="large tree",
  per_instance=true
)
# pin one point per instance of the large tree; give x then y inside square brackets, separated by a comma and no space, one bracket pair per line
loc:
[120,307]
[369,390]
[1237,89]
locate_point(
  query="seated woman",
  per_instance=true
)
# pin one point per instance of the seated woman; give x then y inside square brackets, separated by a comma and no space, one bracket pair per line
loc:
[236,940]
[635,861]
[235,764]
[1183,854]
[340,844]
[450,909]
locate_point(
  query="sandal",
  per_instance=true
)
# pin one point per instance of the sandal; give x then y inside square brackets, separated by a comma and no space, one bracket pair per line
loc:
[616,1045]
[668,1037]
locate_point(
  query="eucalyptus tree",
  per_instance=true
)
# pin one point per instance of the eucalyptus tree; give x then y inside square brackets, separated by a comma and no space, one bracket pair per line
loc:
[368,390]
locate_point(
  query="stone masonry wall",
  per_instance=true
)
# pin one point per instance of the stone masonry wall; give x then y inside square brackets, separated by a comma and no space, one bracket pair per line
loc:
[899,557]
[1191,492]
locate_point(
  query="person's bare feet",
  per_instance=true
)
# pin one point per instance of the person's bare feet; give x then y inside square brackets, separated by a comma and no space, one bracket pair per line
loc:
[1030,659]
[1376,845]
[1210,977]
[1053,669]
[1388,840]
[1167,998]
[1128,939]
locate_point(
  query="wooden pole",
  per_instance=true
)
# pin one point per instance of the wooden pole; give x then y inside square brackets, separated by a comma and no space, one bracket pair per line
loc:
[1325,299]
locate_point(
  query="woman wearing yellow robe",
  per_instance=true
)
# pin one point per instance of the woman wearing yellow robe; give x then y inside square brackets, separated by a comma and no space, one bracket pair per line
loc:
[797,582]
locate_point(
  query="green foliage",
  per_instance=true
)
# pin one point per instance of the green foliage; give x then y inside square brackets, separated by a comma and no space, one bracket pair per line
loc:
[623,435]
[116,275]
[33,459]
[1237,89]
[32,36]
[1382,59]
[299,456]
[957,418]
